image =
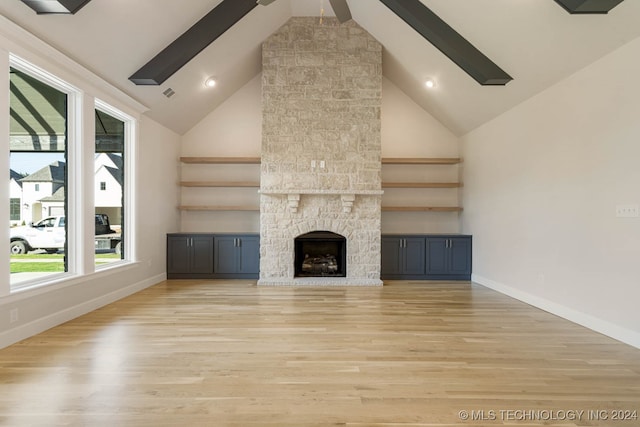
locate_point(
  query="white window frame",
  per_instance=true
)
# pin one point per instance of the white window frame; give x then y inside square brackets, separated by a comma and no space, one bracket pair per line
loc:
[81,252]
[73,154]
[130,132]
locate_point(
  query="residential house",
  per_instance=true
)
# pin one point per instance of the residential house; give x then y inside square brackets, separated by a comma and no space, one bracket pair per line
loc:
[108,186]
[43,192]
[15,197]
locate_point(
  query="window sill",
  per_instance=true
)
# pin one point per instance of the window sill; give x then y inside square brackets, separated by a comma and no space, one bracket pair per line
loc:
[56,282]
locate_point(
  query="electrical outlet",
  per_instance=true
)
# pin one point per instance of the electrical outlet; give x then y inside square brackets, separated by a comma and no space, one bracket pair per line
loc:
[321,164]
[313,164]
[627,211]
[13,315]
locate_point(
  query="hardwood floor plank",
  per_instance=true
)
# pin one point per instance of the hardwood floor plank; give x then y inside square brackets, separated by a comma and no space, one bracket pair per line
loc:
[222,353]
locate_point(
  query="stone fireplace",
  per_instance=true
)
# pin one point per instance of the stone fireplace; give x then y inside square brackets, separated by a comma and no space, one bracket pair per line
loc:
[321,166]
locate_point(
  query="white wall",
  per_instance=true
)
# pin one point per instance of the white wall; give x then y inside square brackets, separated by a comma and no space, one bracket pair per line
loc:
[234,129]
[542,183]
[158,192]
[409,131]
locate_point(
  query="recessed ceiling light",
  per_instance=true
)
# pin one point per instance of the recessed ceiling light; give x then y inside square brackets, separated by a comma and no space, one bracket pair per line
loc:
[210,82]
[430,83]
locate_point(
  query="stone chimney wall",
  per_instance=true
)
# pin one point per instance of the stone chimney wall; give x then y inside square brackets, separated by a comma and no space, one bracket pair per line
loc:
[321,166]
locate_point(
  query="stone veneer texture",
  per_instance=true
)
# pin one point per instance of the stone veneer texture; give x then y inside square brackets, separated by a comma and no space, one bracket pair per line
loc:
[321,101]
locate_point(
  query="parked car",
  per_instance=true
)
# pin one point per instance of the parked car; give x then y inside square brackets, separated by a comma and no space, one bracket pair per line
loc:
[48,234]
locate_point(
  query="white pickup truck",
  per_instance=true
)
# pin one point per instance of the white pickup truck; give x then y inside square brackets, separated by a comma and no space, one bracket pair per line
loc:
[48,234]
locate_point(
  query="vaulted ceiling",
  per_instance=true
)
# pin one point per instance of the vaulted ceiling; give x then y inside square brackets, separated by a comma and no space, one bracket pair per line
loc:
[535,41]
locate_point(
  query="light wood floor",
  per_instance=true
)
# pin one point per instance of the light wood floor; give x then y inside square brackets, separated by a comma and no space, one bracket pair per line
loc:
[203,353]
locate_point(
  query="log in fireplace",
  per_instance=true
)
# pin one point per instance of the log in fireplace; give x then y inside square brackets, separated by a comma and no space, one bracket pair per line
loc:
[320,254]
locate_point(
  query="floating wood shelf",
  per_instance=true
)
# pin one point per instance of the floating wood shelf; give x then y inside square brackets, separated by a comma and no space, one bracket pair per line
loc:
[220,184]
[385,160]
[219,208]
[256,184]
[421,161]
[421,184]
[421,209]
[221,160]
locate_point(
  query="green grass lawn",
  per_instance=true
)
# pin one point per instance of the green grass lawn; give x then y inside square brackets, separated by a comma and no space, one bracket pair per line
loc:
[37,267]
[47,263]
[39,256]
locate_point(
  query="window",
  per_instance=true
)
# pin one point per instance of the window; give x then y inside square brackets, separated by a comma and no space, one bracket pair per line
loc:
[38,151]
[14,209]
[50,175]
[110,179]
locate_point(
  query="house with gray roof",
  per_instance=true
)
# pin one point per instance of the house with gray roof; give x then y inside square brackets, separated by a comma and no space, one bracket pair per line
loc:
[15,197]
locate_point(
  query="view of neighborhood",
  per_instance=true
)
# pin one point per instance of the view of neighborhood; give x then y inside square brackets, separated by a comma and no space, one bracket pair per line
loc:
[41,193]
[37,212]
[39,181]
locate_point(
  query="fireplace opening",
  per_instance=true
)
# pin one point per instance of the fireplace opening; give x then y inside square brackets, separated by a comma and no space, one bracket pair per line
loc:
[320,254]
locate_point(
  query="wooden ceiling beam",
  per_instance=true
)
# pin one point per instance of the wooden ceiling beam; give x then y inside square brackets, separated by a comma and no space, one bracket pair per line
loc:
[588,6]
[192,42]
[448,41]
[48,7]
[341,9]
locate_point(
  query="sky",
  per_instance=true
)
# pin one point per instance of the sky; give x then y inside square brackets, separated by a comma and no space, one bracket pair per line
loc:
[31,162]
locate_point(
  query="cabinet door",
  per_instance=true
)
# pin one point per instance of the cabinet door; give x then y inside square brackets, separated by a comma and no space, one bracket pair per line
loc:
[225,254]
[201,255]
[460,255]
[177,254]
[248,255]
[390,252]
[437,255]
[413,256]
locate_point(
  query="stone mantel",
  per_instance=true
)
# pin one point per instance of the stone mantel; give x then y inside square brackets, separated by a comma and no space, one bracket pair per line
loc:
[348,197]
[325,192]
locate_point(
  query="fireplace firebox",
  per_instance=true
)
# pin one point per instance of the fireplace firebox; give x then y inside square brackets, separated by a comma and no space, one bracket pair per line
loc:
[320,254]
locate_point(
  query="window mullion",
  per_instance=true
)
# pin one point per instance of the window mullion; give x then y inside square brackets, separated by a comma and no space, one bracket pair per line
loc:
[5,286]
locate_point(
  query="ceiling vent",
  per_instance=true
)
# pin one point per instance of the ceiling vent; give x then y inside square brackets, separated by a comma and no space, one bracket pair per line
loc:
[588,6]
[169,92]
[45,7]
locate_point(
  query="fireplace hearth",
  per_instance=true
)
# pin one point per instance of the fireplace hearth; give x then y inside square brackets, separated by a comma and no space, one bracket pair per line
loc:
[320,254]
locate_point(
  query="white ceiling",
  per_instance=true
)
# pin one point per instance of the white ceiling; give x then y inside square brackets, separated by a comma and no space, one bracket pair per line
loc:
[535,41]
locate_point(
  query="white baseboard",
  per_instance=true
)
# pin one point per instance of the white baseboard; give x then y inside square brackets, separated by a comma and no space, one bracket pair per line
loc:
[35,327]
[612,330]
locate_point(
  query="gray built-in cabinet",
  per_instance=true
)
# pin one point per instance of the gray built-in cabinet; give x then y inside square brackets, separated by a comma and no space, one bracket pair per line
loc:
[403,257]
[426,257]
[237,256]
[213,256]
[189,255]
[449,257]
